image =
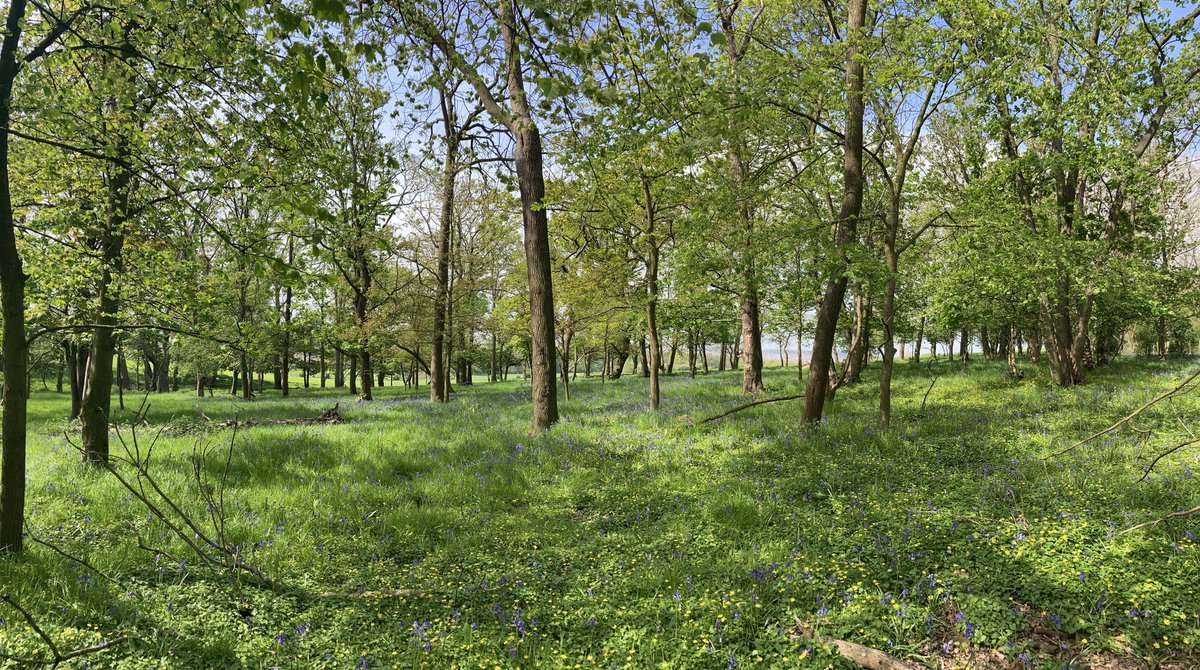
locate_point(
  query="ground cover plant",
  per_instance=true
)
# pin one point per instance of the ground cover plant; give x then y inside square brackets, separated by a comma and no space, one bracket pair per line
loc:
[419,535]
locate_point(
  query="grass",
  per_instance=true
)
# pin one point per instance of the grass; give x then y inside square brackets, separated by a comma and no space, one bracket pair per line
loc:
[623,539]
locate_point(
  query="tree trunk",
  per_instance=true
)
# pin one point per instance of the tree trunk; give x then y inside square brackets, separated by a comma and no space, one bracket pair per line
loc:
[247,377]
[565,360]
[1012,352]
[285,356]
[339,369]
[1161,328]
[97,389]
[652,258]
[354,375]
[12,299]
[964,346]
[164,368]
[856,359]
[439,390]
[528,159]
[916,357]
[892,259]
[847,224]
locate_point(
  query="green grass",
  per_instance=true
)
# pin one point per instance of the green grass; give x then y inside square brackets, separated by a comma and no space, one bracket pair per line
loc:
[630,540]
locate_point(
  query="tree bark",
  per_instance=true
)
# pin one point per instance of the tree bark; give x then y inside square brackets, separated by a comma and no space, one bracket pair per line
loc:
[652,251]
[752,356]
[439,390]
[285,356]
[12,299]
[847,224]
[97,389]
[856,360]
[916,357]
[527,154]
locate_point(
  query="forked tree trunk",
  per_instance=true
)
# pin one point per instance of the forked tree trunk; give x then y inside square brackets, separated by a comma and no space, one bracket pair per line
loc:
[847,224]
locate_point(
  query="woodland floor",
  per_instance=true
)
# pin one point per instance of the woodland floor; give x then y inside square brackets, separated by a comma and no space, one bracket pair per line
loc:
[629,540]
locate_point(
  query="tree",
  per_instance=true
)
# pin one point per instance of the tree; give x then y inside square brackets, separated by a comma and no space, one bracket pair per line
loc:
[847,221]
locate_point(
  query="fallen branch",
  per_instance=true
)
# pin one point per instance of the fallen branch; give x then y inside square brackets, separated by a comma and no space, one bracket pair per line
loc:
[1172,515]
[59,657]
[384,593]
[871,659]
[330,416]
[1178,390]
[70,557]
[748,405]
[1168,452]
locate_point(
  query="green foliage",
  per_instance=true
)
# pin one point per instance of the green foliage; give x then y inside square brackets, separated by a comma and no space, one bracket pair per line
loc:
[629,539]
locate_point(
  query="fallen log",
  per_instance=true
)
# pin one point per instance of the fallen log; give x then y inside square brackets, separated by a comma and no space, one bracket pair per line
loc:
[871,659]
[329,417]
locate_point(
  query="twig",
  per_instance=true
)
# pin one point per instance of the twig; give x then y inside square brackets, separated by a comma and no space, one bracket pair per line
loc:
[69,557]
[1172,515]
[1168,452]
[32,624]
[754,403]
[929,367]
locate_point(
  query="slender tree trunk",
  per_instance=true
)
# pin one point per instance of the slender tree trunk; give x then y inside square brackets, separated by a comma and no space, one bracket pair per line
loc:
[339,369]
[528,159]
[856,359]
[97,390]
[916,357]
[122,369]
[847,224]
[892,259]
[752,356]
[565,359]
[438,388]
[12,298]
[1012,352]
[247,377]
[286,355]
